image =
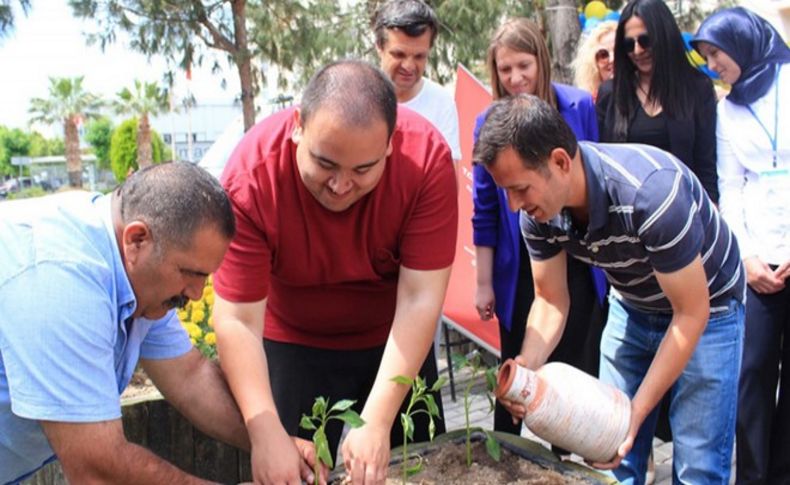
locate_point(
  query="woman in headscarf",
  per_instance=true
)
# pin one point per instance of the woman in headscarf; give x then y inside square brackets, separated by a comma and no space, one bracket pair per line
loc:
[753,138]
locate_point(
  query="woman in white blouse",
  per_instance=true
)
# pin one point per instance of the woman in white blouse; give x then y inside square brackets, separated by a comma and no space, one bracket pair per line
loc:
[753,143]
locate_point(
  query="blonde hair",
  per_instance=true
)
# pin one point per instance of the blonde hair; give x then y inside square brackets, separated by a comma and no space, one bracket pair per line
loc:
[586,75]
[521,35]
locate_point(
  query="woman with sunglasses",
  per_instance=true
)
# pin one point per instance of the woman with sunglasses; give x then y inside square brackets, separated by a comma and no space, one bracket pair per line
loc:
[518,62]
[657,97]
[753,135]
[594,61]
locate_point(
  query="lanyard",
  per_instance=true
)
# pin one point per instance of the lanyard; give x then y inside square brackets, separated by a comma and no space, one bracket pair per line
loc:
[773,139]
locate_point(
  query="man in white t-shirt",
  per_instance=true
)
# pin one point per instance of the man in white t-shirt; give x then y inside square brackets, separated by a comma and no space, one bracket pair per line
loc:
[405,31]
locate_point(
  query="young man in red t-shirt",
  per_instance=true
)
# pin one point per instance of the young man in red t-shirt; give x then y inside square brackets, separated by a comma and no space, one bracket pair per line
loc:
[346,214]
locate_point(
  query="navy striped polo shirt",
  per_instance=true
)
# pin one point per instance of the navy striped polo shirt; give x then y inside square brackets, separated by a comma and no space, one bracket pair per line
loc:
[647,211]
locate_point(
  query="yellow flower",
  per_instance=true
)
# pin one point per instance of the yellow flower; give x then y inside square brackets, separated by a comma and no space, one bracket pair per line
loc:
[207,290]
[211,321]
[210,338]
[198,316]
[194,342]
[209,299]
[183,315]
[193,330]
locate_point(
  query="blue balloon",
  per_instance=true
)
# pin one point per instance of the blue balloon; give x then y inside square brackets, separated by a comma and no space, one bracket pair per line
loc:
[613,15]
[582,20]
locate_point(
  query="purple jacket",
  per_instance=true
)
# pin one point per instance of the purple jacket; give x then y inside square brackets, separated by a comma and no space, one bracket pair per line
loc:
[494,225]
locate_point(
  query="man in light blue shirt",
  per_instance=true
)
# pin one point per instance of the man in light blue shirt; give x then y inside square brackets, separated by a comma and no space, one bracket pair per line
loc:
[87,287]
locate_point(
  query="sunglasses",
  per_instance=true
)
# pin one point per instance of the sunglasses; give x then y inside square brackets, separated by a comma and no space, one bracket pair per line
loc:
[604,55]
[644,40]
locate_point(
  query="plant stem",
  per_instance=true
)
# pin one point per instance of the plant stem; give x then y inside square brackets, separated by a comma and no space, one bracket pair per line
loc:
[404,465]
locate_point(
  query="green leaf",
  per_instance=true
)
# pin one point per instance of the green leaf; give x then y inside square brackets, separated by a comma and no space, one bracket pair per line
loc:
[351,418]
[419,386]
[402,380]
[492,447]
[440,382]
[408,426]
[342,405]
[322,448]
[459,361]
[319,406]
[431,429]
[491,379]
[430,403]
[491,403]
[415,468]
[306,423]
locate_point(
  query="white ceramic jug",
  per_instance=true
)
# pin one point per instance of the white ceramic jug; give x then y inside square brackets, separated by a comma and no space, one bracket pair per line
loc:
[569,408]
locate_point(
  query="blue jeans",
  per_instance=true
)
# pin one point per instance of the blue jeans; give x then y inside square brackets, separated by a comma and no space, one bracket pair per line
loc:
[703,399]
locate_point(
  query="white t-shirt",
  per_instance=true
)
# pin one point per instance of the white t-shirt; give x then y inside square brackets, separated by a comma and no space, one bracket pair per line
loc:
[437,105]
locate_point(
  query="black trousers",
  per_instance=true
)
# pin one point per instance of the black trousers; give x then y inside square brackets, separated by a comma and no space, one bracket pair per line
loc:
[299,374]
[581,340]
[763,424]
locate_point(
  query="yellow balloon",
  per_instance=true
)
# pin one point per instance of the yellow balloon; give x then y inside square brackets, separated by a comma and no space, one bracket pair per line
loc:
[595,10]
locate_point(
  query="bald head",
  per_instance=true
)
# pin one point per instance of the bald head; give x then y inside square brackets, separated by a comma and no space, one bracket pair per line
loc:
[355,92]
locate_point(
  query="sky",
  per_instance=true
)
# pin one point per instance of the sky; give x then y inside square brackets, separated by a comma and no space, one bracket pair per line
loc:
[49,41]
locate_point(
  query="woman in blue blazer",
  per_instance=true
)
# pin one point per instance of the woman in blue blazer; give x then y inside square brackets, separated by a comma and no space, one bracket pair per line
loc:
[519,62]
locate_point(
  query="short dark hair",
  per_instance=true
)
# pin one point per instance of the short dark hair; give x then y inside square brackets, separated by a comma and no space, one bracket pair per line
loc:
[412,17]
[531,126]
[174,200]
[358,92]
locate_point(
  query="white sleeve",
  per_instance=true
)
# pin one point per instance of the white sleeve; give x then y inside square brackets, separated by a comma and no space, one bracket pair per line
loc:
[732,179]
[450,129]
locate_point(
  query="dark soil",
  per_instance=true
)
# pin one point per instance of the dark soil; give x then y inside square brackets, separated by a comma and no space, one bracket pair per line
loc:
[447,466]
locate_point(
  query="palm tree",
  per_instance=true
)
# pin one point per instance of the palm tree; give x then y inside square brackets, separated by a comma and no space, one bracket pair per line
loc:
[146,99]
[70,104]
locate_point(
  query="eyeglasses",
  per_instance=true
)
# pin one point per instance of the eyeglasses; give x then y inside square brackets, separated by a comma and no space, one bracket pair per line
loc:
[604,55]
[644,40]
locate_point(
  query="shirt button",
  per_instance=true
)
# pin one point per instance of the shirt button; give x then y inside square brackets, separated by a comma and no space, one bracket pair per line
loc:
[595,249]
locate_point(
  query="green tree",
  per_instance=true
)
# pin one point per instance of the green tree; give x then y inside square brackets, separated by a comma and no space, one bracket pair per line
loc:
[68,103]
[7,15]
[13,143]
[179,30]
[42,147]
[123,149]
[145,100]
[295,35]
[99,135]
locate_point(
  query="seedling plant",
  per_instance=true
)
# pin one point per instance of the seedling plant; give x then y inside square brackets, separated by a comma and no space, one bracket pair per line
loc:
[420,393]
[317,422]
[474,361]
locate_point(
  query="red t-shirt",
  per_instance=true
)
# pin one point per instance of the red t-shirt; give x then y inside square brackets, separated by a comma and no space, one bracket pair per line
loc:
[331,277]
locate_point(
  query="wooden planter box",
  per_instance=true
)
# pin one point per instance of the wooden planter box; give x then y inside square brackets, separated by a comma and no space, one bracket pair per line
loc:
[153,423]
[524,448]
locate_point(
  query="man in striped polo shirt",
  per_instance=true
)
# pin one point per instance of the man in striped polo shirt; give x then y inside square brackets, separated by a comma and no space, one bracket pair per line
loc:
[676,317]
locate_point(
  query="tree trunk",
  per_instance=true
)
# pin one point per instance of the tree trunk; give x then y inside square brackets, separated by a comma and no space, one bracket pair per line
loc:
[73,161]
[242,58]
[562,22]
[144,149]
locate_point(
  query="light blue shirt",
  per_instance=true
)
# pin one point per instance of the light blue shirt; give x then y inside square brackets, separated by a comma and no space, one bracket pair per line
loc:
[68,345]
